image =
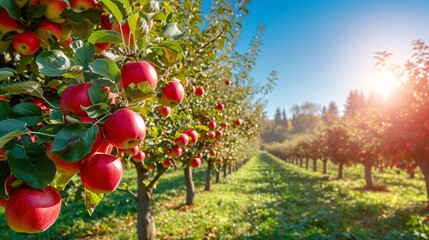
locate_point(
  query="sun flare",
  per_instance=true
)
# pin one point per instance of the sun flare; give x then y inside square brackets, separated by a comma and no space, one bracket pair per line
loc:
[382,82]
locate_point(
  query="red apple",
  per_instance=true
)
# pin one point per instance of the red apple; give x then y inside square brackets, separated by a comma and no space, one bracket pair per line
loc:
[67,168]
[219,134]
[101,173]
[67,42]
[139,157]
[51,27]
[105,21]
[195,163]
[137,72]
[212,124]
[212,153]
[238,122]
[200,155]
[164,111]
[7,23]
[40,103]
[220,106]
[212,135]
[30,210]
[54,10]
[125,33]
[172,94]
[99,47]
[73,97]
[199,92]
[193,135]
[177,151]
[26,43]
[105,147]
[82,5]
[225,125]
[125,129]
[182,140]
[227,82]
[166,164]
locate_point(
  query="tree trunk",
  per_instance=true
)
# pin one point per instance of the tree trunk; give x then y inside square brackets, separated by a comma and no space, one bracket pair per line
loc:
[145,221]
[218,176]
[368,175]
[190,187]
[315,165]
[300,162]
[230,170]
[306,163]
[412,174]
[325,167]
[380,169]
[340,171]
[208,186]
[224,171]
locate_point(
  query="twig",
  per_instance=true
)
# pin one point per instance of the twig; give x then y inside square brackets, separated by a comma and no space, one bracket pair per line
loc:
[128,191]
[207,43]
[152,183]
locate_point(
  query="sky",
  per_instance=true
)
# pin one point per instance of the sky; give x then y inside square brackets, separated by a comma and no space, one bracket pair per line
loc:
[322,49]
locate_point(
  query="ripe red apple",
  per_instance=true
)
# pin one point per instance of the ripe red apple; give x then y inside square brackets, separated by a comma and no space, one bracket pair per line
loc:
[40,103]
[166,164]
[133,151]
[193,135]
[101,173]
[195,163]
[228,82]
[220,106]
[225,125]
[212,124]
[182,140]
[54,28]
[219,133]
[238,122]
[125,129]
[73,97]
[67,168]
[199,91]
[200,155]
[193,89]
[212,153]
[125,33]
[67,42]
[105,21]
[172,94]
[7,23]
[12,183]
[30,210]
[99,47]
[137,72]
[26,43]
[177,151]
[82,5]
[139,157]
[105,147]
[54,10]
[164,111]
[212,135]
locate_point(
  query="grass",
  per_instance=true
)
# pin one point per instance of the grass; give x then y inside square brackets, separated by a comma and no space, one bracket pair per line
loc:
[265,199]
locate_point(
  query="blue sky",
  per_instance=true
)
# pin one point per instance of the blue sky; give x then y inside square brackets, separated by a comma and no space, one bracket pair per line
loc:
[322,49]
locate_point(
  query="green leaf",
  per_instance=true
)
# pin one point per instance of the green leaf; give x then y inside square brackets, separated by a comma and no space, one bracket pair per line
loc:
[4,174]
[93,15]
[53,63]
[97,110]
[12,8]
[140,91]
[105,36]
[10,129]
[62,180]
[151,6]
[140,110]
[51,129]
[116,8]
[138,25]
[202,127]
[84,55]
[23,62]
[4,109]
[56,116]
[75,141]
[97,93]
[171,30]
[107,68]
[92,200]
[28,113]
[31,164]
[30,88]
[36,10]
[6,72]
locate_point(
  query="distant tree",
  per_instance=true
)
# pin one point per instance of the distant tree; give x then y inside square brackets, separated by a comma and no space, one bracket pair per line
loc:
[354,102]
[284,118]
[278,117]
[306,117]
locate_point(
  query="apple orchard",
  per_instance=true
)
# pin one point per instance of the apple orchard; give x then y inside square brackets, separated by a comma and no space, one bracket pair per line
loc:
[91,89]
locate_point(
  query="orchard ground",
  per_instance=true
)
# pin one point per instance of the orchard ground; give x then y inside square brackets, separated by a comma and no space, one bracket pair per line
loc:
[265,199]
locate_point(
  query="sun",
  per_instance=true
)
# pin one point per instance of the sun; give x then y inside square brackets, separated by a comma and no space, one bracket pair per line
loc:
[382,82]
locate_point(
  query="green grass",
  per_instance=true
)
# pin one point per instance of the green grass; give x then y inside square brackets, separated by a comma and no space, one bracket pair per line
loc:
[265,199]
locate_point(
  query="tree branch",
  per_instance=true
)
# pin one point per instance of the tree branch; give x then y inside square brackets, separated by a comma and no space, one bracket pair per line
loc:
[128,191]
[152,183]
[207,43]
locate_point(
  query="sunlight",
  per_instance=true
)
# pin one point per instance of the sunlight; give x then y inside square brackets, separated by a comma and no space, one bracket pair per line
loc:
[382,82]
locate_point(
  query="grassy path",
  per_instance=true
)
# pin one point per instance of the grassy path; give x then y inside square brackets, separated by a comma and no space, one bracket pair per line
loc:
[265,199]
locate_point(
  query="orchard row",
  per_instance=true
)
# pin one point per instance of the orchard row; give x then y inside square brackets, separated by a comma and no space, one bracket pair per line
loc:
[90,88]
